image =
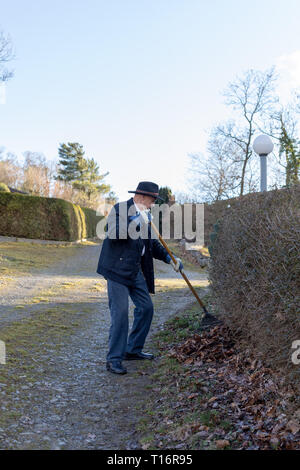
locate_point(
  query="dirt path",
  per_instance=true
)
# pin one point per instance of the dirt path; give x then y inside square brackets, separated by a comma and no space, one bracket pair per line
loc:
[54,390]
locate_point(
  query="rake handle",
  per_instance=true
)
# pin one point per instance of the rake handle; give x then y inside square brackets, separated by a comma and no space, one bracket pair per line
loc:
[181,271]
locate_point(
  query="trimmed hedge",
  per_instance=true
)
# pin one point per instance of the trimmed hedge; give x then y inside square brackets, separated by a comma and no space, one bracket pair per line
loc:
[91,221]
[212,213]
[255,274]
[45,218]
[4,188]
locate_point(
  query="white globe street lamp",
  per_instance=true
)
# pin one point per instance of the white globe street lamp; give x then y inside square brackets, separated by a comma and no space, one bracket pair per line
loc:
[263,145]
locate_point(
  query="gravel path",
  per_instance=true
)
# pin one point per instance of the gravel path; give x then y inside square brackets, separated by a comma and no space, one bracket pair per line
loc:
[54,390]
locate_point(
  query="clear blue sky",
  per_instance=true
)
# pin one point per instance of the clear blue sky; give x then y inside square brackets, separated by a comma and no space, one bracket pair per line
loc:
[136,82]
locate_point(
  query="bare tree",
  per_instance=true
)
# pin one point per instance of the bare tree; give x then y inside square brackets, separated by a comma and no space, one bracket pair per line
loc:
[182,197]
[10,170]
[62,190]
[226,170]
[6,55]
[36,174]
[251,97]
[215,175]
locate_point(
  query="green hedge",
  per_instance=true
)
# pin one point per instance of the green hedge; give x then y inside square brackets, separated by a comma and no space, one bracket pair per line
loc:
[91,220]
[45,218]
[4,187]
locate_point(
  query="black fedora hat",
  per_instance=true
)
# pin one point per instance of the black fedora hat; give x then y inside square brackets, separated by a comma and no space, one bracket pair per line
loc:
[147,189]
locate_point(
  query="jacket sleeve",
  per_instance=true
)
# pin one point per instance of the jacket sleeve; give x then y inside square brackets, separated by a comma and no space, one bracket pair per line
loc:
[121,221]
[117,224]
[159,252]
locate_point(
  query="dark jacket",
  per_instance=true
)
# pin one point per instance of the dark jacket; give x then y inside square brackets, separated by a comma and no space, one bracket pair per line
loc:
[121,256]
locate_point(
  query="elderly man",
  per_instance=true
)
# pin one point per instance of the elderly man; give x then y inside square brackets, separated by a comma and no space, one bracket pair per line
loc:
[126,262]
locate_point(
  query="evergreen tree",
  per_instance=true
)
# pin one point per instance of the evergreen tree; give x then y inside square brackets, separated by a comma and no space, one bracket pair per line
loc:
[82,173]
[71,162]
[289,147]
[165,192]
[111,198]
[89,178]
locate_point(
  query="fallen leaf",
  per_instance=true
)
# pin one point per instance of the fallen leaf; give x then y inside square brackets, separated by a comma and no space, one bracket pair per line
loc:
[222,443]
[274,441]
[212,399]
[271,411]
[293,426]
[193,395]
[297,414]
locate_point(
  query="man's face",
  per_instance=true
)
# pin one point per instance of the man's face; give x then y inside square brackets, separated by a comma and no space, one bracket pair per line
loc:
[144,202]
[149,201]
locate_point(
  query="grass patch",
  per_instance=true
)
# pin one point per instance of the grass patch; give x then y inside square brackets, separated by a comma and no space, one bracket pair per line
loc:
[90,243]
[99,286]
[171,284]
[180,252]
[23,258]
[180,327]
[68,284]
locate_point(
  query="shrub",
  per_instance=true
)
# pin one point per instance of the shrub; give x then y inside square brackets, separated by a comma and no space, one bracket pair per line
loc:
[4,188]
[43,218]
[91,219]
[255,273]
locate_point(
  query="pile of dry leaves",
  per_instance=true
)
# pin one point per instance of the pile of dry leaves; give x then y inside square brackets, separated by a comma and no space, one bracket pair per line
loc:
[262,408]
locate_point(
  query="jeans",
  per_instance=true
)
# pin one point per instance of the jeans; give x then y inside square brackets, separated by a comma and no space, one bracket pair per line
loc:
[118,297]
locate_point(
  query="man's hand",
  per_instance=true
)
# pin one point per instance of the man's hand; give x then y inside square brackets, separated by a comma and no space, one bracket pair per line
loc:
[178,266]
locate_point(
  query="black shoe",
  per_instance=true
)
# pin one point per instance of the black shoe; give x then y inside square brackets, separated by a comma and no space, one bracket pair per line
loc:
[116,367]
[138,356]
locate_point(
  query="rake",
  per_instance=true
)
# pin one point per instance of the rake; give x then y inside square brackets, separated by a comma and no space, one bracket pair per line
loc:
[207,318]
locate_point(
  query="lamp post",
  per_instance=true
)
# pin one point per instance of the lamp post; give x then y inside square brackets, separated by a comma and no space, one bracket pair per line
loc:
[263,145]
